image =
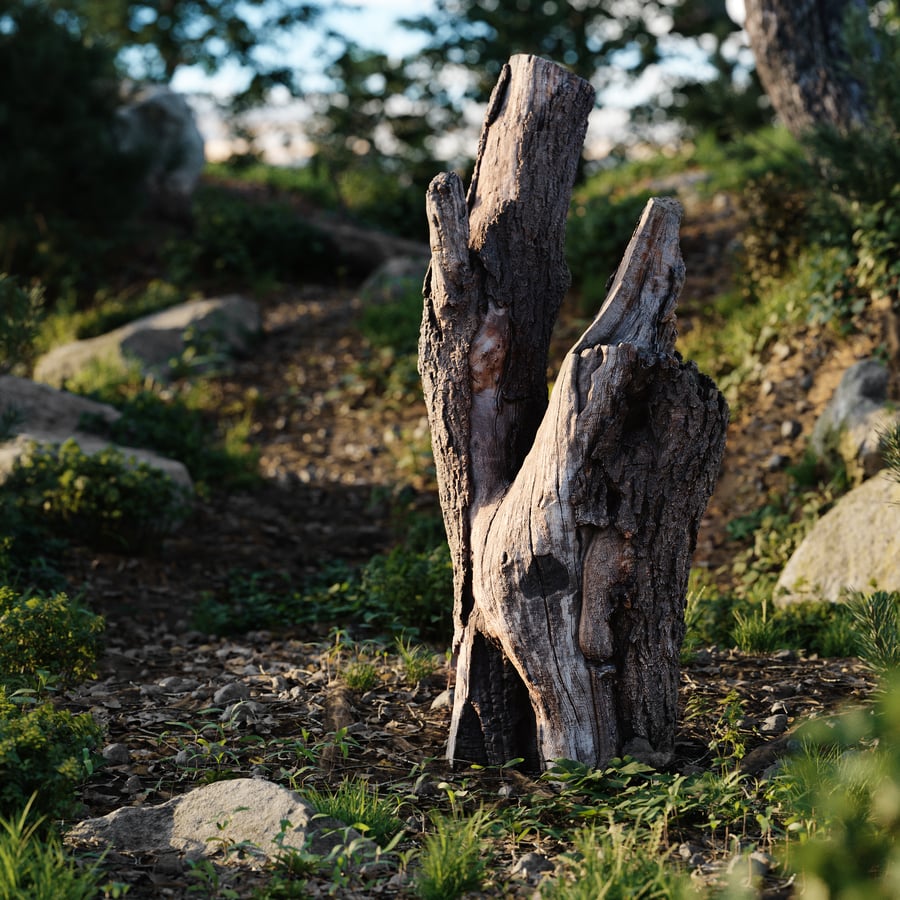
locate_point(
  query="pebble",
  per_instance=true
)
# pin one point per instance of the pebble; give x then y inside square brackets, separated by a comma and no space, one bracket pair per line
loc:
[444,700]
[776,461]
[133,784]
[116,754]
[237,690]
[790,429]
[774,725]
[530,867]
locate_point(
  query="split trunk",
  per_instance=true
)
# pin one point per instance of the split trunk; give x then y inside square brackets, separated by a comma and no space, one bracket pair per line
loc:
[571,525]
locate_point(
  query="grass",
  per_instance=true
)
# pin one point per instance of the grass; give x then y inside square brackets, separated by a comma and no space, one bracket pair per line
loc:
[454,858]
[357,803]
[33,864]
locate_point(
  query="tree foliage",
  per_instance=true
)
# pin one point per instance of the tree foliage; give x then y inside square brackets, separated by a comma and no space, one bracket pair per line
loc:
[155,38]
[608,42]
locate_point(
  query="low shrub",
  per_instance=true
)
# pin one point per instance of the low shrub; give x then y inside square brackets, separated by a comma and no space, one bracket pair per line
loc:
[237,240]
[45,753]
[54,633]
[404,592]
[101,500]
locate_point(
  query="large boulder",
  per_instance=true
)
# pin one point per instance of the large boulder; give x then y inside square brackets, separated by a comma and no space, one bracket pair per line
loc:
[159,125]
[217,325]
[854,546]
[857,415]
[260,816]
[39,413]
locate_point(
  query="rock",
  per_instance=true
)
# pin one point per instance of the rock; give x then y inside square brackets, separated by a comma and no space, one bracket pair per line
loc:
[852,423]
[776,461]
[228,693]
[854,546]
[224,813]
[116,754]
[530,867]
[643,751]
[394,278]
[790,429]
[774,725]
[49,416]
[159,125]
[444,700]
[220,324]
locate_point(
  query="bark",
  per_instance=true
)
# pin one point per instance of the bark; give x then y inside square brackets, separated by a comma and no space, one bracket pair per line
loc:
[801,59]
[570,526]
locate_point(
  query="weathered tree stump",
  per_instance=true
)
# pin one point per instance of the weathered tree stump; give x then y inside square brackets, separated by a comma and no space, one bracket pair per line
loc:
[571,526]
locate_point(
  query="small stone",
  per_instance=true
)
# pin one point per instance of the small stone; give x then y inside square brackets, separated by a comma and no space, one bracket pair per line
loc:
[776,461]
[807,381]
[444,700]
[785,655]
[530,867]
[766,388]
[116,754]
[237,690]
[133,785]
[790,429]
[781,351]
[755,865]
[774,725]
[242,711]
[506,790]
[183,758]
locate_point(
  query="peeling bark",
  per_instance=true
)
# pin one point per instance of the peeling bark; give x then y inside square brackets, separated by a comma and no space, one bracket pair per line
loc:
[571,526]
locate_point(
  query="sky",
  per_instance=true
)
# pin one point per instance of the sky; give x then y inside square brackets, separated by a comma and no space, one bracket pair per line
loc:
[373,24]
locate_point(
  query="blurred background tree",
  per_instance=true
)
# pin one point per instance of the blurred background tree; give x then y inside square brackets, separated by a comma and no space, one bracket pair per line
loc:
[153,39]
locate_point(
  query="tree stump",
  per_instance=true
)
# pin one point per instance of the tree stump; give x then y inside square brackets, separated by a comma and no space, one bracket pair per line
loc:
[571,525]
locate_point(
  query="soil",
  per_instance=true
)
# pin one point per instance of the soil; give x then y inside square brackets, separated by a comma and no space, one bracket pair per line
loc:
[329,461]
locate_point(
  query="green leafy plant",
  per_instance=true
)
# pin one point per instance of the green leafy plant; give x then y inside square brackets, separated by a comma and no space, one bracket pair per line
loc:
[357,803]
[45,752]
[34,864]
[453,859]
[51,633]
[101,499]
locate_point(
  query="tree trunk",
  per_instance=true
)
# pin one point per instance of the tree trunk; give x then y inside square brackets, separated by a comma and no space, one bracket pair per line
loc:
[801,59]
[570,526]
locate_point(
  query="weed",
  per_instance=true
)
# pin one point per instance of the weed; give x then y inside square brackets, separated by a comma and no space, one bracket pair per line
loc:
[418,662]
[360,675]
[174,428]
[453,859]
[33,863]
[22,309]
[360,805]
